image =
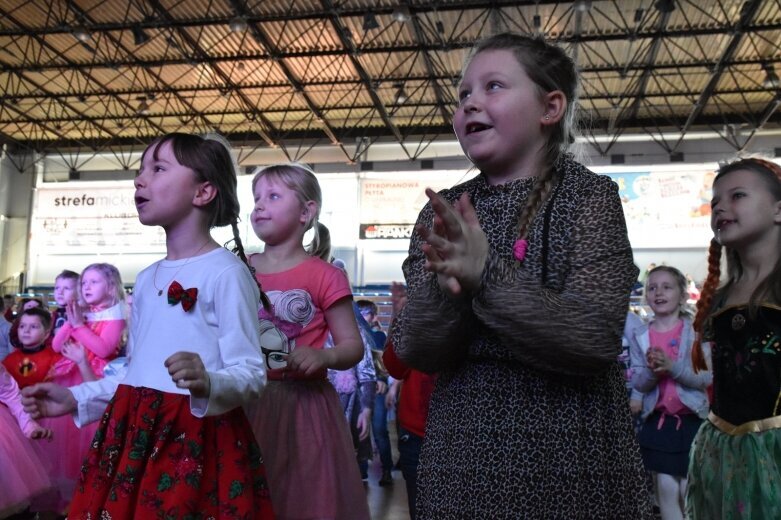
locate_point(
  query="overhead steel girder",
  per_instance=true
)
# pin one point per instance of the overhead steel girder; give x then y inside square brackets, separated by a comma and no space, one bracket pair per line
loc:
[747,14]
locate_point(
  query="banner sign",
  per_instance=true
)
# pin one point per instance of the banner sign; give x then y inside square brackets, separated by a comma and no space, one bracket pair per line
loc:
[666,209]
[385,231]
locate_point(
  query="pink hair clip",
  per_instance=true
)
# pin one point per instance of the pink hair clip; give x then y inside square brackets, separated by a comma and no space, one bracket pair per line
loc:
[519,249]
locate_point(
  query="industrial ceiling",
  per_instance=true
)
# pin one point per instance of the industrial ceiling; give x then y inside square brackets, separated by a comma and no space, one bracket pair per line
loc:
[101,75]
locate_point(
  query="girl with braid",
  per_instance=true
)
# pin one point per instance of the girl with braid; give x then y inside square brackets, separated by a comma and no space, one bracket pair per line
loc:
[174,440]
[519,282]
[735,468]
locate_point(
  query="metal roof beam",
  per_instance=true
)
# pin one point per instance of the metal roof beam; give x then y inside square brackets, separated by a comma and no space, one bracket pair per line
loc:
[350,50]
[747,13]
[196,47]
[262,38]
[83,15]
[562,38]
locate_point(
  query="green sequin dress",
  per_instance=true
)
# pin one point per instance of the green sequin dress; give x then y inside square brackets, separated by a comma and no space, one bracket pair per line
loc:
[739,476]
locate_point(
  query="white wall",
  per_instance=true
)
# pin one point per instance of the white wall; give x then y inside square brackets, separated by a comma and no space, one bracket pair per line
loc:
[345,206]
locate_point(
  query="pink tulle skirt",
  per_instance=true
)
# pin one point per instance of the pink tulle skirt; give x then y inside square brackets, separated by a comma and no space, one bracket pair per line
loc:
[306,445]
[66,452]
[22,474]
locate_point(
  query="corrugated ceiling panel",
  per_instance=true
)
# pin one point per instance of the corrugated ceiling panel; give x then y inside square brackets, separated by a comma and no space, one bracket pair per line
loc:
[302,35]
[322,68]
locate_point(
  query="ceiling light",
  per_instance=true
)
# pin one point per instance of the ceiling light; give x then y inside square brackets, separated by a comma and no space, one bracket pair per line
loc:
[81,34]
[401,95]
[370,22]
[143,108]
[139,36]
[401,14]
[583,5]
[238,24]
[771,78]
[241,66]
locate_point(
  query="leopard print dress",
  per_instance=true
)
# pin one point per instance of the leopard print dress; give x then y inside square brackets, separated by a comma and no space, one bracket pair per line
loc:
[529,418]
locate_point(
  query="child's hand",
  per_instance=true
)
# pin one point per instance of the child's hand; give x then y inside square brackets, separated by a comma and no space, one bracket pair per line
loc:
[390,397]
[308,360]
[658,361]
[364,423]
[635,406]
[398,297]
[456,247]
[40,433]
[47,400]
[75,352]
[74,313]
[187,371]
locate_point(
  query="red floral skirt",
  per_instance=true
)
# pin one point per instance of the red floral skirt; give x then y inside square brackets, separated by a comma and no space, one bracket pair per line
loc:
[151,458]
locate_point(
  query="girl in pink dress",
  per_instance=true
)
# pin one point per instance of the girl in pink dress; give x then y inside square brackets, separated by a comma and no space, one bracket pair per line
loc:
[299,420]
[22,476]
[88,340]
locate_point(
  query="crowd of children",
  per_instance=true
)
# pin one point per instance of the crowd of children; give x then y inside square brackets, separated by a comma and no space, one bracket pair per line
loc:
[504,343]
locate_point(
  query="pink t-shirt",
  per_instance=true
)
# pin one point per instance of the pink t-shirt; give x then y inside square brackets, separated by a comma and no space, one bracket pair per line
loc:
[299,297]
[669,401]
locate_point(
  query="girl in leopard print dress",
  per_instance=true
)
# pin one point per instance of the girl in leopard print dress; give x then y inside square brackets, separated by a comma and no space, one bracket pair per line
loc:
[519,282]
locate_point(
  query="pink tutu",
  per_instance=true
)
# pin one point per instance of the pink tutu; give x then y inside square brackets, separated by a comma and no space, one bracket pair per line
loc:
[22,475]
[66,452]
[306,445]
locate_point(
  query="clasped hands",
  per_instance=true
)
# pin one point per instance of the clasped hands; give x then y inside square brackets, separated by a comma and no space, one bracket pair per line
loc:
[456,247]
[658,361]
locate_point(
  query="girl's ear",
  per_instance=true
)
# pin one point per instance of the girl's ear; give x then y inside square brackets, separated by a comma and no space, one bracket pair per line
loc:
[555,104]
[204,194]
[777,214]
[308,211]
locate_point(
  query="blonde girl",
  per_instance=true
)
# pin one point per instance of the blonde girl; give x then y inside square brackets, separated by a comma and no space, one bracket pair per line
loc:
[674,400]
[299,421]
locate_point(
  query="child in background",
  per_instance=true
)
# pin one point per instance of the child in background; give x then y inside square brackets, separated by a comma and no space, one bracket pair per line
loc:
[23,475]
[518,286]
[98,331]
[87,342]
[673,395]
[174,438]
[26,303]
[413,399]
[32,361]
[369,311]
[735,469]
[65,291]
[299,421]
[357,387]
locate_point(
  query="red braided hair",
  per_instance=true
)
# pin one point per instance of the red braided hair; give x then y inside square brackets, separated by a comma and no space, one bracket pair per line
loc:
[704,303]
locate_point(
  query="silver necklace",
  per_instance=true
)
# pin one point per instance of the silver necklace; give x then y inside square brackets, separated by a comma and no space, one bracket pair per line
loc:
[154,278]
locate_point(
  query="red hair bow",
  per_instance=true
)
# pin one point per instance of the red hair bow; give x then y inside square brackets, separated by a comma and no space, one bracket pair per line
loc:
[177,293]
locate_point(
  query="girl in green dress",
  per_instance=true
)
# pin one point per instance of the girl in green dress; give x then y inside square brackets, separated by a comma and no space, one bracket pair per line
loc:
[735,469]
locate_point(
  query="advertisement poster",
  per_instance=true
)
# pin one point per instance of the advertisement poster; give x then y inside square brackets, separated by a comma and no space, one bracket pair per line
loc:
[390,202]
[666,209]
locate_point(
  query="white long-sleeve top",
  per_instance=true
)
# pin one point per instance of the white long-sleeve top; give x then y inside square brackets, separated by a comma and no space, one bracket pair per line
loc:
[222,328]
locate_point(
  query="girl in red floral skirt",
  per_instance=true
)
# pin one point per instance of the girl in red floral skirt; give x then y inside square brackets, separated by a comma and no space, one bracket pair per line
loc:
[174,441]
